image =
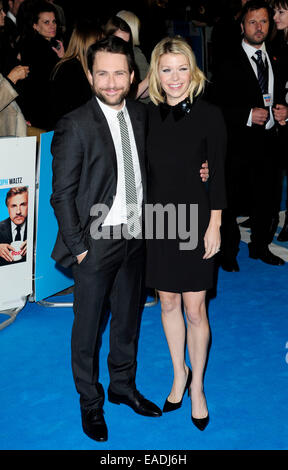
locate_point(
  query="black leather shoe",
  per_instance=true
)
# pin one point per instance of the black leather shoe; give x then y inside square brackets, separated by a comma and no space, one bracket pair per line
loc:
[168,405]
[246,223]
[137,402]
[94,425]
[265,255]
[229,265]
[283,235]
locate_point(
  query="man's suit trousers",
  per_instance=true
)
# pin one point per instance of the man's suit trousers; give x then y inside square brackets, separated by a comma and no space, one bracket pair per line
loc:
[109,277]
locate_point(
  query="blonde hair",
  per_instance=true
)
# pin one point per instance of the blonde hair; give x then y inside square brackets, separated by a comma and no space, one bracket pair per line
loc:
[175,45]
[133,21]
[82,37]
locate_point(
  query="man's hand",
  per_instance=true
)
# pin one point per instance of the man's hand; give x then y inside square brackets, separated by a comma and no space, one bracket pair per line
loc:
[5,249]
[204,172]
[23,248]
[281,114]
[81,257]
[259,116]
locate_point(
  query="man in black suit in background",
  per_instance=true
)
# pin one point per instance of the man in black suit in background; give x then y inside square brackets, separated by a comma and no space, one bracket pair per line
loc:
[14,228]
[98,151]
[247,90]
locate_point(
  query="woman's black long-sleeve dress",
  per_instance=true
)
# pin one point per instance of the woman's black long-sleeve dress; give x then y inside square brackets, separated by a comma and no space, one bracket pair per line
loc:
[178,143]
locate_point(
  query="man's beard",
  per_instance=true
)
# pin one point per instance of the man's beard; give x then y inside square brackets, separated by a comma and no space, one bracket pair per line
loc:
[253,41]
[104,99]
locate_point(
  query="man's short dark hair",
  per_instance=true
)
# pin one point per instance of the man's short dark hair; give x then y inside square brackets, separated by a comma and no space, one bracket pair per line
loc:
[111,44]
[252,5]
[14,192]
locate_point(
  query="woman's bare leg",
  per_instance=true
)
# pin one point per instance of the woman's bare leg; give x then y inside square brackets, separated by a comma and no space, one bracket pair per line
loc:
[198,334]
[175,332]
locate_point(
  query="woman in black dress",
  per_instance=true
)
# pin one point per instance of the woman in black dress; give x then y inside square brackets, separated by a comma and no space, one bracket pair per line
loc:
[184,131]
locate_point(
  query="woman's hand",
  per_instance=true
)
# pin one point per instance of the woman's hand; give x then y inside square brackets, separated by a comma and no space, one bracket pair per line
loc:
[204,172]
[212,238]
[59,49]
[18,73]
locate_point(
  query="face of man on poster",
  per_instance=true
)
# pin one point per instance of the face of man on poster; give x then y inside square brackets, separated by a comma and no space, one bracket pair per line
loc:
[18,208]
[17,205]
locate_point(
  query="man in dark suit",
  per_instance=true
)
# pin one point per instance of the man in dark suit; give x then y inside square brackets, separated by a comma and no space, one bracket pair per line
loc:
[14,228]
[98,159]
[11,8]
[247,90]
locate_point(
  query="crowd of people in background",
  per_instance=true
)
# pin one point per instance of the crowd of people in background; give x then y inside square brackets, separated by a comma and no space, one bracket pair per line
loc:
[43,46]
[38,37]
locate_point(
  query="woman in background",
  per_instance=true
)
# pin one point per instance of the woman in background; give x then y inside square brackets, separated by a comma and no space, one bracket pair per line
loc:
[116,26]
[142,65]
[12,121]
[40,50]
[69,83]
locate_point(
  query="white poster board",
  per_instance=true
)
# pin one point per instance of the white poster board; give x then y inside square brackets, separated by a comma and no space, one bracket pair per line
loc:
[17,195]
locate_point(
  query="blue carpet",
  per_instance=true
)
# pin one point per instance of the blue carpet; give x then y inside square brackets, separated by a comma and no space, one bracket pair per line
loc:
[245,383]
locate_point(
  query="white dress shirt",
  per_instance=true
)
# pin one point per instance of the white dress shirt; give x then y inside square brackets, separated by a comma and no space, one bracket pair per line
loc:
[14,230]
[11,16]
[250,51]
[118,213]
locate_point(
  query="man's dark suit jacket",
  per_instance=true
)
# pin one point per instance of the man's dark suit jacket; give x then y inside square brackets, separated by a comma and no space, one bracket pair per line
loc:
[85,172]
[6,237]
[236,90]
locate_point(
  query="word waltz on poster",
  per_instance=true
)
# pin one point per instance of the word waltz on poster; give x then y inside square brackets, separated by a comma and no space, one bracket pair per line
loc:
[17,195]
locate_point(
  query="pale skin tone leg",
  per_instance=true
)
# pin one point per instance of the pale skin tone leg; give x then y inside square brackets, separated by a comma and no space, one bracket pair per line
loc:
[197,342]
[198,334]
[175,331]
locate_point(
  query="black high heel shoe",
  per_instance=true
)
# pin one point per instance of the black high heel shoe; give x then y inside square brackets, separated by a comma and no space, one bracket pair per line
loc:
[168,405]
[200,423]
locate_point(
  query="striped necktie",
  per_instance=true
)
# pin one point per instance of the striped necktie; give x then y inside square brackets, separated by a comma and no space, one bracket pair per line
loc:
[262,72]
[133,221]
